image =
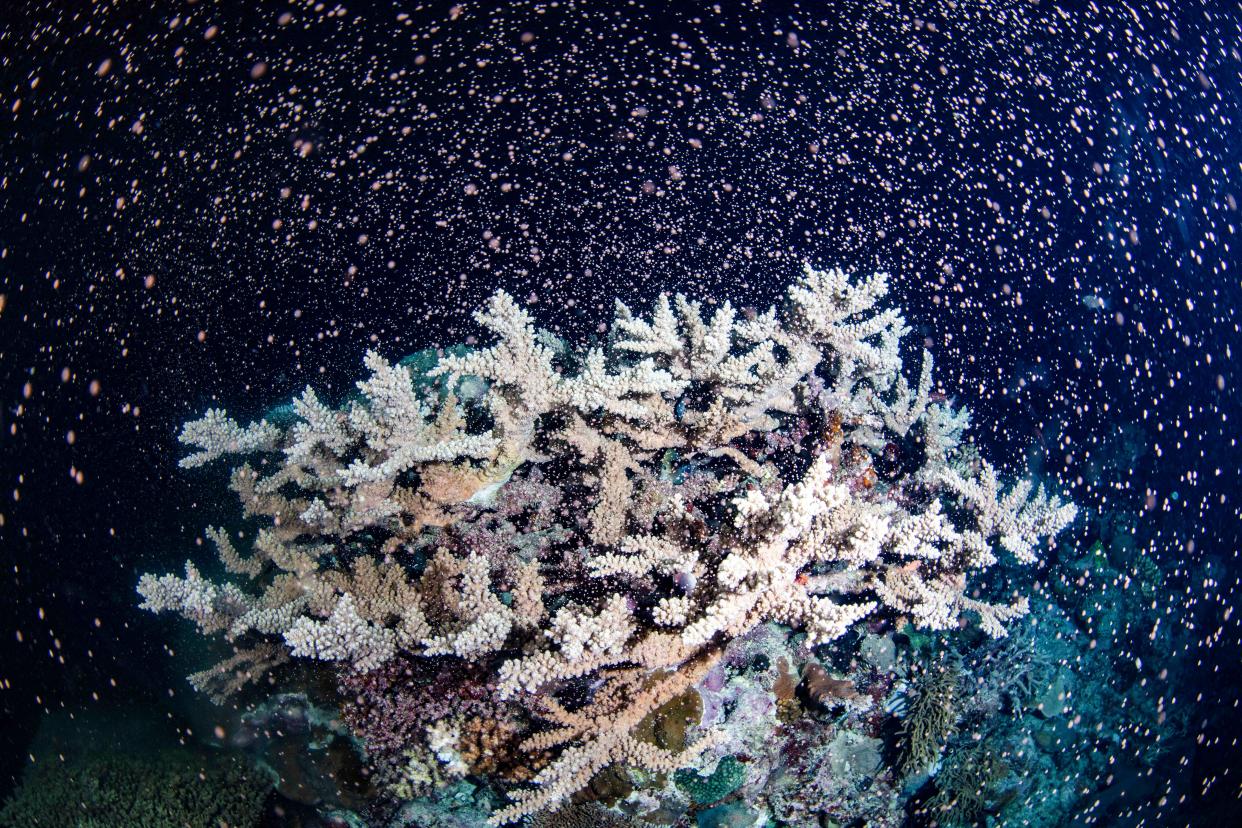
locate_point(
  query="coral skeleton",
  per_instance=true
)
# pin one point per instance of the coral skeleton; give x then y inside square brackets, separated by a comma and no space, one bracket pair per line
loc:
[712,474]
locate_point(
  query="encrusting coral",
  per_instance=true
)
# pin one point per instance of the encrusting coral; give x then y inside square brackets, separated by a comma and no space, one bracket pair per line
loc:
[717,473]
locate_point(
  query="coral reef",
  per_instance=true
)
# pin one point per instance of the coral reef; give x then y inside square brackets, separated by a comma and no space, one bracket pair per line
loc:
[704,790]
[580,535]
[582,816]
[305,749]
[170,789]
[965,785]
[930,715]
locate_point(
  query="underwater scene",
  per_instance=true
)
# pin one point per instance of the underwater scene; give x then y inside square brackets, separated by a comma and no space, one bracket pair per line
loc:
[574,413]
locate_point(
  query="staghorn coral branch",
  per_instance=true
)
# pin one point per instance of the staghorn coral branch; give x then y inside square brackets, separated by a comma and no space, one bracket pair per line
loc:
[215,434]
[1019,518]
[600,735]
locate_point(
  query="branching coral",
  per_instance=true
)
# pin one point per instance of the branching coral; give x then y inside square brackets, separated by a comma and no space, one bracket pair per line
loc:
[930,716]
[965,784]
[396,531]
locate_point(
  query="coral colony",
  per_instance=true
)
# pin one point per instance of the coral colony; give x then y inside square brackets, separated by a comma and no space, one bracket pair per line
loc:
[515,555]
